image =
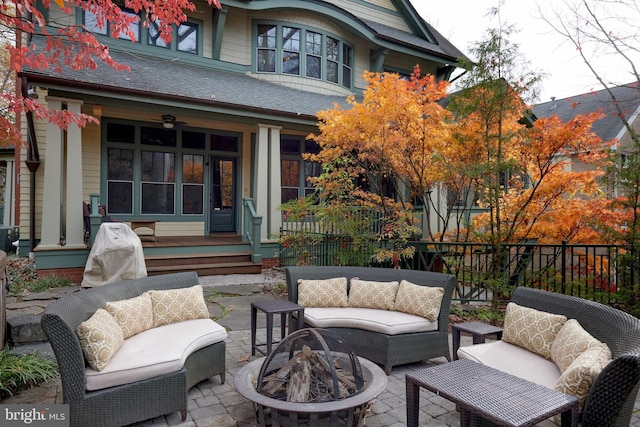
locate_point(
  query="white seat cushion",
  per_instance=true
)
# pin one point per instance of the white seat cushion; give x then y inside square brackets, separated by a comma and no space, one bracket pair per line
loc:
[513,360]
[370,319]
[156,351]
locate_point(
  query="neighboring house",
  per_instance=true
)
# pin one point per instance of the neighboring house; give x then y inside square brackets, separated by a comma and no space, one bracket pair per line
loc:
[218,116]
[610,127]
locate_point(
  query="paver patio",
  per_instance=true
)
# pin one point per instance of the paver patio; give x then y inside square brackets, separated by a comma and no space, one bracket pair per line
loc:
[212,404]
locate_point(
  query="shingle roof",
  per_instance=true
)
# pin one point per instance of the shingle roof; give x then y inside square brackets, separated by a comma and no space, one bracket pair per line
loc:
[607,128]
[160,78]
[442,48]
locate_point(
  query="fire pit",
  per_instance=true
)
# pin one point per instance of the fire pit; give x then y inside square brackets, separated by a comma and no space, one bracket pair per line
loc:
[311,377]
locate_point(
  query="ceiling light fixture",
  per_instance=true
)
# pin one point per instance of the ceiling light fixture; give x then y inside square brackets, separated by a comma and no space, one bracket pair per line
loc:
[168,121]
[32,93]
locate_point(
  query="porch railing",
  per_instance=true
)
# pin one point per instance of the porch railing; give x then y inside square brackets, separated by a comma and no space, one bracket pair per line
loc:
[586,271]
[252,229]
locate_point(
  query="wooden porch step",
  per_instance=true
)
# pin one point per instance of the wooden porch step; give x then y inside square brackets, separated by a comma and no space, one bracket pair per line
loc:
[205,264]
[208,269]
[197,258]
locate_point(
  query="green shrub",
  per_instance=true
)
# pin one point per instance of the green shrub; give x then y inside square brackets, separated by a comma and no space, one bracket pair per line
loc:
[18,372]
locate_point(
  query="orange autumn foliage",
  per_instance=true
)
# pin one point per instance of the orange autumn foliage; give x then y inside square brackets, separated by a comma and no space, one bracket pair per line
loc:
[523,177]
[547,200]
[395,132]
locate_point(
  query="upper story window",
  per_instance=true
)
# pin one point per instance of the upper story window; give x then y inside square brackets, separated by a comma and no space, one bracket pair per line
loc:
[284,49]
[266,59]
[186,37]
[291,50]
[93,24]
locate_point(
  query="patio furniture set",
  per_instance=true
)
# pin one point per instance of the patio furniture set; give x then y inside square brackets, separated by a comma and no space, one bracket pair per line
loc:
[388,316]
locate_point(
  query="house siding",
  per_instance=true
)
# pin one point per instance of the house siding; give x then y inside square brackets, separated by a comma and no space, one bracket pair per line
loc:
[375,11]
[236,41]
[90,161]
[258,113]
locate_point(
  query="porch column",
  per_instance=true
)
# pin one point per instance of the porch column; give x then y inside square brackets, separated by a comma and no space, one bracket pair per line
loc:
[74,216]
[275,178]
[432,220]
[9,195]
[51,209]
[267,179]
[62,187]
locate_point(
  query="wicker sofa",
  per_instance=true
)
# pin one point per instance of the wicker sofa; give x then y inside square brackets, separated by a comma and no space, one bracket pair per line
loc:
[136,400]
[383,348]
[612,395]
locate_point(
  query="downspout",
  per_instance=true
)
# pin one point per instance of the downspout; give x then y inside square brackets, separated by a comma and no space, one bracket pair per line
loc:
[33,163]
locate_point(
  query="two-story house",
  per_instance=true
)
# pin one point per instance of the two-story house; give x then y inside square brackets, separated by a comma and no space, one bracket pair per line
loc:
[199,125]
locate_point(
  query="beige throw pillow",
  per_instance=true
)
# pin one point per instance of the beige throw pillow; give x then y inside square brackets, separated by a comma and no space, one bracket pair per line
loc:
[531,329]
[100,337]
[134,315]
[577,379]
[323,293]
[420,300]
[368,294]
[572,340]
[178,305]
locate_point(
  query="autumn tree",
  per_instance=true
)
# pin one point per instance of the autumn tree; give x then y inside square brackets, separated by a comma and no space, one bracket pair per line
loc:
[383,151]
[71,45]
[516,168]
[609,30]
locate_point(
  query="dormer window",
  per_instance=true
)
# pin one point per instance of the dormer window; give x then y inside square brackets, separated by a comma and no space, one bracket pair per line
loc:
[284,49]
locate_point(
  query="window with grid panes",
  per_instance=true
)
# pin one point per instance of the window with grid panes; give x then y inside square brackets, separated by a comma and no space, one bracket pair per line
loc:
[296,171]
[290,50]
[266,53]
[279,49]
[92,24]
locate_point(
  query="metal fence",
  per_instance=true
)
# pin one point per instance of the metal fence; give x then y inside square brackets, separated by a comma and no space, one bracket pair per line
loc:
[586,271]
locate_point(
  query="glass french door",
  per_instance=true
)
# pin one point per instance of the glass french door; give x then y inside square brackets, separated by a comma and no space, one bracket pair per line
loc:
[223,194]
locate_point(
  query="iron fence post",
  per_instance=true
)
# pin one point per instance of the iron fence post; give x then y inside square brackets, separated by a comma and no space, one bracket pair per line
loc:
[564,265]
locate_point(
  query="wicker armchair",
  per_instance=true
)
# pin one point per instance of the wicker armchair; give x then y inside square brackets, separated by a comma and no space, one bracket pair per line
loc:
[133,402]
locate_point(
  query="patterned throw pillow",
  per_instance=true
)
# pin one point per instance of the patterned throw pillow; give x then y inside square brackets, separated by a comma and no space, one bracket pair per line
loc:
[420,300]
[367,294]
[572,340]
[100,337]
[581,374]
[178,305]
[134,315]
[323,293]
[531,329]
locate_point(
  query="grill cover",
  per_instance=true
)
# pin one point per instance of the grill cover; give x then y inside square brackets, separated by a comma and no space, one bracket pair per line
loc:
[116,255]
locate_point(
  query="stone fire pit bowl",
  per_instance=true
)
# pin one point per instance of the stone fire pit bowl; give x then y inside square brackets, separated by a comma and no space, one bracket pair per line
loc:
[349,411]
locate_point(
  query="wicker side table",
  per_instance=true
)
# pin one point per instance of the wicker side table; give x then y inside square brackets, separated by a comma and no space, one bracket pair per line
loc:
[282,307]
[494,395]
[478,330]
